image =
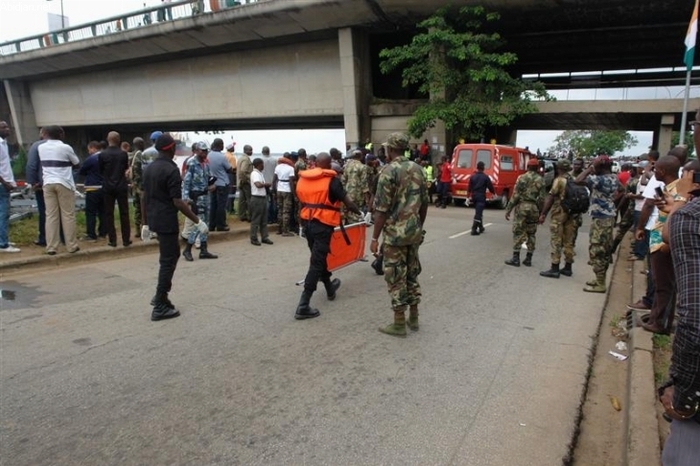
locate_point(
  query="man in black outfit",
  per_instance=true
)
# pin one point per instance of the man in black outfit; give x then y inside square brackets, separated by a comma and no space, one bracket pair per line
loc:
[478,184]
[112,165]
[160,202]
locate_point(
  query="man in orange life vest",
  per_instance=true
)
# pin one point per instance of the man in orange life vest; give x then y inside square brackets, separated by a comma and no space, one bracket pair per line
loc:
[320,193]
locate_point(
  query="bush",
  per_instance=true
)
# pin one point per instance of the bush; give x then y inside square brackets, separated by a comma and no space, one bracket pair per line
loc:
[19,164]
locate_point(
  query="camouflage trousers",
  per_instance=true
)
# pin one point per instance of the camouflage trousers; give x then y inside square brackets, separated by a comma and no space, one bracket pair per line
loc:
[284,210]
[626,223]
[601,238]
[401,270]
[563,229]
[137,209]
[525,226]
[579,222]
[350,217]
[201,208]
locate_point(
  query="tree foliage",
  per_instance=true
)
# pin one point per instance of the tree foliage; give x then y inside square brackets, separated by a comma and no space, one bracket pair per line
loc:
[592,142]
[457,62]
[676,137]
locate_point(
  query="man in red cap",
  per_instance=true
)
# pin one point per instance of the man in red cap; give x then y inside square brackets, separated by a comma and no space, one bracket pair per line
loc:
[527,200]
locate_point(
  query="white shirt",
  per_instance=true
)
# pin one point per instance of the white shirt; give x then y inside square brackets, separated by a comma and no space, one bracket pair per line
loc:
[57,160]
[258,177]
[284,172]
[5,166]
[649,193]
[639,203]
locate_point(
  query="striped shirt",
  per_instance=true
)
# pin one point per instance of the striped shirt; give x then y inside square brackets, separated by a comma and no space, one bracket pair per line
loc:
[57,161]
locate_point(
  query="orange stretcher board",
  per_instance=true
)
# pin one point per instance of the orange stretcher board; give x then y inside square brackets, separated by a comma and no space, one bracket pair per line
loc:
[342,254]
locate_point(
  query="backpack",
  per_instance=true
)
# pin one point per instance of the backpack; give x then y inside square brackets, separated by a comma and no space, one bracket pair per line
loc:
[576,200]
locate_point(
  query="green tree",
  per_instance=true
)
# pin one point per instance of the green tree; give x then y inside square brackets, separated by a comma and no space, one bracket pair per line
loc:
[456,62]
[676,137]
[592,142]
[19,164]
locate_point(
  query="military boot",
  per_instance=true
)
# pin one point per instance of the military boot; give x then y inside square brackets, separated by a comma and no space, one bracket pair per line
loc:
[515,260]
[413,318]
[204,253]
[304,311]
[599,286]
[475,228]
[398,328]
[551,273]
[331,287]
[528,260]
[187,253]
[566,271]
[161,310]
[162,298]
[615,244]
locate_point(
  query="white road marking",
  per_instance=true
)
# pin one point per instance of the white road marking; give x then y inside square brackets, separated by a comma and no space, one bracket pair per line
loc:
[468,231]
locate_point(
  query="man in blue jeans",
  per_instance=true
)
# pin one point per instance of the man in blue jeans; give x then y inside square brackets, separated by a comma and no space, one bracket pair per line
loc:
[220,168]
[7,184]
[478,184]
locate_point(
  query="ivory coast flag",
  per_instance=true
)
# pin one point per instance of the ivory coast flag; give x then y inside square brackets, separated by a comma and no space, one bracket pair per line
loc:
[690,38]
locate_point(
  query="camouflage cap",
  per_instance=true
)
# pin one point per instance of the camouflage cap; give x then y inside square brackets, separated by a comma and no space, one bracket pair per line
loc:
[564,164]
[397,141]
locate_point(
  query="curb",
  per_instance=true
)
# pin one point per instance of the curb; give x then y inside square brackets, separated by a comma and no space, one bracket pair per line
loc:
[45,261]
[642,446]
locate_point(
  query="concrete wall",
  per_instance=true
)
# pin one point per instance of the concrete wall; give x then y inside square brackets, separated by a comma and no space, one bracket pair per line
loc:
[296,80]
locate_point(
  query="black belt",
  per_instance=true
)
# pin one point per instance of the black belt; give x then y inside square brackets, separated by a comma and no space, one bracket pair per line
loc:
[260,196]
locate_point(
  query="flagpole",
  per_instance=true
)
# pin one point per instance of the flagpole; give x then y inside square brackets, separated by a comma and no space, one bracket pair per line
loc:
[684,117]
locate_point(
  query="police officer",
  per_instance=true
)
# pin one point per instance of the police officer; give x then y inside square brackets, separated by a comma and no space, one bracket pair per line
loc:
[400,207]
[478,184]
[320,194]
[562,226]
[160,203]
[196,186]
[527,199]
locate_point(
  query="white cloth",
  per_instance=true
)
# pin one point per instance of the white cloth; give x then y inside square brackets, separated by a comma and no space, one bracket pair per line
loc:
[284,172]
[639,203]
[57,160]
[258,177]
[5,166]
[649,193]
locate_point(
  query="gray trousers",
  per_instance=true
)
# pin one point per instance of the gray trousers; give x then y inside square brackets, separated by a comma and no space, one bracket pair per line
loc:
[258,217]
[682,447]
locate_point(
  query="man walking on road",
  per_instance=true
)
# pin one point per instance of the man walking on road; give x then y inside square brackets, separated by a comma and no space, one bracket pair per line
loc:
[478,184]
[527,199]
[320,195]
[113,164]
[400,207]
[161,202]
[245,168]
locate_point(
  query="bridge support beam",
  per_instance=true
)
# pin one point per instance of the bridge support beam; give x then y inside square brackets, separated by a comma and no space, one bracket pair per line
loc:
[356,80]
[22,117]
[663,137]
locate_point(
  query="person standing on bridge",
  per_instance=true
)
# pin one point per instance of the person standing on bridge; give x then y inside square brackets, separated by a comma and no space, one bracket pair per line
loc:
[162,199]
[400,209]
[113,163]
[7,184]
[245,168]
[527,199]
[478,184]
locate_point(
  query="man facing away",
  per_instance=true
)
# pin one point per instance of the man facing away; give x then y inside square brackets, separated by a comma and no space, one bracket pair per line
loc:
[35,180]
[142,158]
[113,163]
[284,184]
[528,196]
[356,184]
[400,208]
[478,184]
[245,168]
[220,168]
[94,198]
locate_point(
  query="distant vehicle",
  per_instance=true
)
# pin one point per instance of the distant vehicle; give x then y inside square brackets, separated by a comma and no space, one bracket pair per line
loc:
[503,164]
[616,167]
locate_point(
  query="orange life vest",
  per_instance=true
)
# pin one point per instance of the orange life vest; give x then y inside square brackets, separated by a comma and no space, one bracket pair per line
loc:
[312,191]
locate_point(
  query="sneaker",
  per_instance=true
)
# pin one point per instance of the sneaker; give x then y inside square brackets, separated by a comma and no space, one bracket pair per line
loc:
[10,248]
[638,306]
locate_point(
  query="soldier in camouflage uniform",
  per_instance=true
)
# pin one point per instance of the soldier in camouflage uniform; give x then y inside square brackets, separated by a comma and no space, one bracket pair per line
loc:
[626,205]
[243,170]
[142,158]
[299,166]
[400,206]
[562,225]
[355,179]
[603,186]
[577,170]
[527,199]
[195,191]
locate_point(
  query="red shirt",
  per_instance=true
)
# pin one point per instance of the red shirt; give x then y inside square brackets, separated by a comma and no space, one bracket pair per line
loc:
[446,173]
[623,177]
[424,149]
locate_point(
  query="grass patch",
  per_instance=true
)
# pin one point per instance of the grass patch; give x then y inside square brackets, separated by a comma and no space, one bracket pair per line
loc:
[615,321]
[661,341]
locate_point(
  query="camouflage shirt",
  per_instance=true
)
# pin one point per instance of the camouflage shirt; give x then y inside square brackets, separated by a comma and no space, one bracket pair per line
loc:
[603,189]
[355,181]
[139,163]
[401,193]
[528,188]
[299,166]
[196,178]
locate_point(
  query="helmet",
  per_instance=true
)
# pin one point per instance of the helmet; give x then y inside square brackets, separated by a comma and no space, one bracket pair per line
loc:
[533,162]
[155,135]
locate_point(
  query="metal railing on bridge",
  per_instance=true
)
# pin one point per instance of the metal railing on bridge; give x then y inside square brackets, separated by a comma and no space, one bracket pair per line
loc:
[116,24]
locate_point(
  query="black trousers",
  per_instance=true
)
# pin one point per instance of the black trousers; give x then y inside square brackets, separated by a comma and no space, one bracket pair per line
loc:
[94,212]
[169,254]
[318,237]
[41,207]
[479,205]
[122,198]
[217,207]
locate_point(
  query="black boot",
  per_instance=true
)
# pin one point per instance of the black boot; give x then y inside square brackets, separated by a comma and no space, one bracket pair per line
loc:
[475,228]
[566,271]
[304,311]
[187,253]
[528,260]
[551,273]
[615,244]
[481,226]
[331,287]
[162,298]
[515,260]
[378,265]
[204,254]
[161,310]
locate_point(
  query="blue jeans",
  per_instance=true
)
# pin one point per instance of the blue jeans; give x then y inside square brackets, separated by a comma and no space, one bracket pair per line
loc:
[4,217]
[443,189]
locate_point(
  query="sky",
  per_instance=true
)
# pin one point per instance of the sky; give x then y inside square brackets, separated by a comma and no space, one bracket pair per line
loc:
[23,18]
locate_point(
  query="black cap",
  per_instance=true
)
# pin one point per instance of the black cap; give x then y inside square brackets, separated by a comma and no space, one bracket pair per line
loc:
[165,142]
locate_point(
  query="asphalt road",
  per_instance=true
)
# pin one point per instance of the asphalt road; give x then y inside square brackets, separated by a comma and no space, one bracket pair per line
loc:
[494,376]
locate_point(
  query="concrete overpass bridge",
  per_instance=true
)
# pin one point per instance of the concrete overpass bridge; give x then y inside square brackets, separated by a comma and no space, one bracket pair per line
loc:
[314,63]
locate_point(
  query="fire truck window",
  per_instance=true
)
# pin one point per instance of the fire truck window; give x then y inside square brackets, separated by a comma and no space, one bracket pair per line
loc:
[484,155]
[507,163]
[523,162]
[464,159]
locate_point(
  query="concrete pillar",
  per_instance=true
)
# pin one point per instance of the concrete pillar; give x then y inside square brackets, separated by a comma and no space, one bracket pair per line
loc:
[22,116]
[356,81]
[663,137]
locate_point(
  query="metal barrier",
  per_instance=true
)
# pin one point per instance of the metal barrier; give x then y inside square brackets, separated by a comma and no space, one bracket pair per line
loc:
[141,18]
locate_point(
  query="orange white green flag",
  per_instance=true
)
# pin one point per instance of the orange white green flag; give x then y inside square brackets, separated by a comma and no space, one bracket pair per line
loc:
[690,38]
